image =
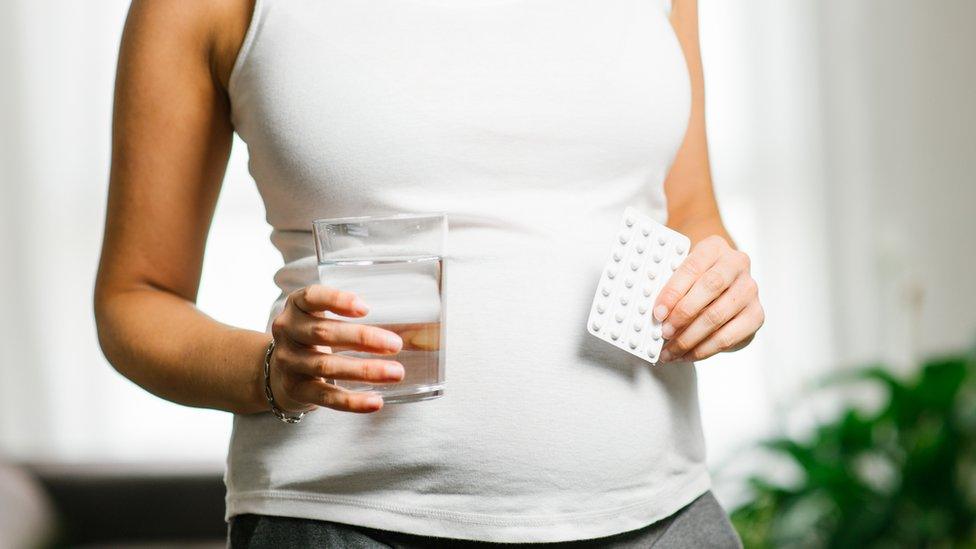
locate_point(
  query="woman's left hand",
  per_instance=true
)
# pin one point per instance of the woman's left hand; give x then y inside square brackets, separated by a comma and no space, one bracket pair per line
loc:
[710,304]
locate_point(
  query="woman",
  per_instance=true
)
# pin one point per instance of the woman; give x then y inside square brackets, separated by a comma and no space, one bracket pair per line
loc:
[533,123]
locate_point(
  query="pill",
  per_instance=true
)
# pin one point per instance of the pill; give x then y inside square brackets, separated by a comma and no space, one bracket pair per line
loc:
[637,237]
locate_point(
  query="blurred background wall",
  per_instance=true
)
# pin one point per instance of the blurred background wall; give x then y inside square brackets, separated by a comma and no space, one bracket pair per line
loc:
[843,152]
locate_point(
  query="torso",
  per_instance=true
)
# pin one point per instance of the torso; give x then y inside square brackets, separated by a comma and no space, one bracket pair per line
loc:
[533,123]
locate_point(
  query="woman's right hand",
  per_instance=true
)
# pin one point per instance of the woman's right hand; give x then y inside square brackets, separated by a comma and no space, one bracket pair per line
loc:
[305,343]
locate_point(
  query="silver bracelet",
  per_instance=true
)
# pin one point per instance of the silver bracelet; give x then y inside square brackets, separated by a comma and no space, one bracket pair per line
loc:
[278,412]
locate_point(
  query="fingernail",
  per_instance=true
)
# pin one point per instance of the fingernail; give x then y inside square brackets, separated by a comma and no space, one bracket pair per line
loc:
[359,306]
[667,330]
[393,341]
[374,400]
[393,370]
[666,356]
[660,312]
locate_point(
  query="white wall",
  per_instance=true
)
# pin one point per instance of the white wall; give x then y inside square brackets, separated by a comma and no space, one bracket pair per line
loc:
[59,399]
[900,111]
[843,149]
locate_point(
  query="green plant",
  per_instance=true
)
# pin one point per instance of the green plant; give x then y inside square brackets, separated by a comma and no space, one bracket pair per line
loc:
[901,476]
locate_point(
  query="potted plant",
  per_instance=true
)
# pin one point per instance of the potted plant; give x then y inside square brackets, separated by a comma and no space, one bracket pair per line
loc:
[903,475]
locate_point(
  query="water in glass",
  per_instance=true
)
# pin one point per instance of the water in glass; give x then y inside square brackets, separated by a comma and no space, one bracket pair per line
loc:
[404,295]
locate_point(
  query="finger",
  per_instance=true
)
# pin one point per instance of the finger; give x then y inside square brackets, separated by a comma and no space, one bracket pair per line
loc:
[709,286]
[321,393]
[714,316]
[344,336]
[701,258]
[317,298]
[332,366]
[728,337]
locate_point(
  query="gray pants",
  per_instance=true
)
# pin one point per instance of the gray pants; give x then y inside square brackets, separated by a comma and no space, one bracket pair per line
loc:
[702,523]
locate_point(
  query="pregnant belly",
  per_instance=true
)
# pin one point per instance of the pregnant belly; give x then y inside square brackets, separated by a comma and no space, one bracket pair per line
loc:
[534,408]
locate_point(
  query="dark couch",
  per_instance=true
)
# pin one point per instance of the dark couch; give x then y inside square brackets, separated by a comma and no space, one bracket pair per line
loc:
[139,505]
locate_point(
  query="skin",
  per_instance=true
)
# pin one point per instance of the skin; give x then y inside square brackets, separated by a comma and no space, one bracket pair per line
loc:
[711,303]
[171,142]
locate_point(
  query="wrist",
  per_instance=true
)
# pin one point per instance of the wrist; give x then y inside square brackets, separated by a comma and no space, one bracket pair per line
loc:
[700,227]
[281,412]
[253,399]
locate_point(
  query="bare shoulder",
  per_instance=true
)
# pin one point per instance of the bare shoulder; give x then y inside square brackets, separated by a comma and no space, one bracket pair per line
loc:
[199,31]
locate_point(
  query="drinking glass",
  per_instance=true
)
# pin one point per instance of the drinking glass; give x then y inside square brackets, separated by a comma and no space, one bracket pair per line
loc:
[396,265]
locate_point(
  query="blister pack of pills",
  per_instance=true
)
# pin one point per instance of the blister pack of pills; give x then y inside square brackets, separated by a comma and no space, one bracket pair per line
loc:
[645,254]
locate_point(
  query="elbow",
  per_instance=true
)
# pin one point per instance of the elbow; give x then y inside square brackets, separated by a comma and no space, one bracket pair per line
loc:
[106,325]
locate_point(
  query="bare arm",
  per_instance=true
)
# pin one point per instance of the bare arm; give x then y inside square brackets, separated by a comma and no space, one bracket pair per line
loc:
[170,144]
[171,141]
[692,209]
[711,304]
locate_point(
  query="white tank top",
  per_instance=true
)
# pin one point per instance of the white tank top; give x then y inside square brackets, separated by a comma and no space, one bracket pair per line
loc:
[533,124]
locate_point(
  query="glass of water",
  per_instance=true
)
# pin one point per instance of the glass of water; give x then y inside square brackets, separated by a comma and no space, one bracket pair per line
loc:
[396,265]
